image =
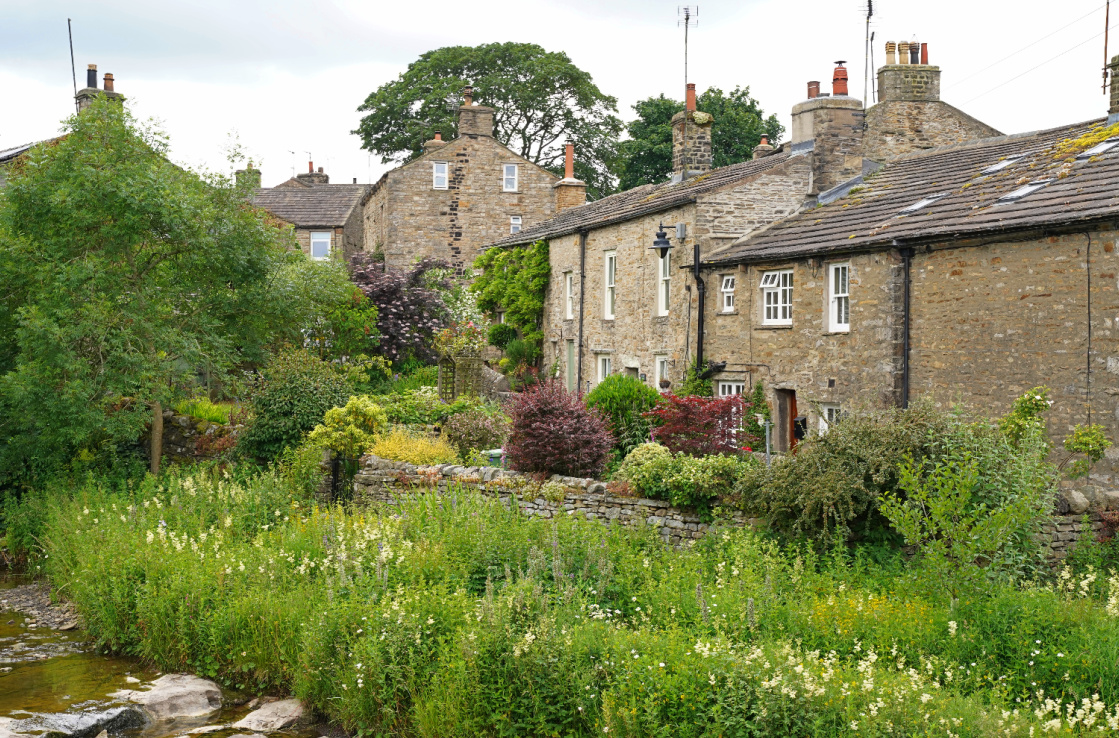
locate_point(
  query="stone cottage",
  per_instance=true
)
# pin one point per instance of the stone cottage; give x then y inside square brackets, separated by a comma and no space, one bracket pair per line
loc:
[325,218]
[460,195]
[967,273]
[615,305]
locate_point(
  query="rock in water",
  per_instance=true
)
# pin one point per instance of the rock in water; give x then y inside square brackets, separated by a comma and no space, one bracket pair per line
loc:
[87,724]
[272,717]
[176,696]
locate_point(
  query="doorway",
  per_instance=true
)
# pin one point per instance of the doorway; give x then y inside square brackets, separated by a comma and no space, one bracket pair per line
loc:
[784,425]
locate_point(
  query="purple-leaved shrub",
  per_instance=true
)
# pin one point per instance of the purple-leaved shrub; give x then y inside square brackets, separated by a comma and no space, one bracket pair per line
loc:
[554,433]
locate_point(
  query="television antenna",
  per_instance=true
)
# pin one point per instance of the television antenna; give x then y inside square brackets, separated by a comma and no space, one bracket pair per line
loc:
[866,54]
[1106,25]
[74,73]
[688,17]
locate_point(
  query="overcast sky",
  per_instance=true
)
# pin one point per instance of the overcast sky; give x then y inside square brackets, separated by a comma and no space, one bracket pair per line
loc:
[285,76]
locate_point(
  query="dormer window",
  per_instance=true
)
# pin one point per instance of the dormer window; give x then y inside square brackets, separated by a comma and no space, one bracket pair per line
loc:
[509,178]
[439,175]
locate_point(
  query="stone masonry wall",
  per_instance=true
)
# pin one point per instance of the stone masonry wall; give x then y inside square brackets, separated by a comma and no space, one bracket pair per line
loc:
[903,127]
[381,480]
[182,434]
[899,82]
[409,219]
[993,320]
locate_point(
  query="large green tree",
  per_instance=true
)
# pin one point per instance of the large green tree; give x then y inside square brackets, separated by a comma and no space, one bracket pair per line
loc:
[646,157]
[126,281]
[541,100]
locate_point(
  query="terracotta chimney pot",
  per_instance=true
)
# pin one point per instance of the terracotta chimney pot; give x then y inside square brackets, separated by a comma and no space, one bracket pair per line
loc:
[903,52]
[569,161]
[839,79]
[690,98]
[468,96]
[439,135]
[108,82]
[813,90]
[925,54]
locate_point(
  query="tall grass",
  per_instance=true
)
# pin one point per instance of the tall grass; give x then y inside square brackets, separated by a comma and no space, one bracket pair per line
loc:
[203,409]
[454,616]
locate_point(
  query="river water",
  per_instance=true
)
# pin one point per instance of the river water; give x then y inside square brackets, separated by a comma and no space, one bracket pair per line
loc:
[51,678]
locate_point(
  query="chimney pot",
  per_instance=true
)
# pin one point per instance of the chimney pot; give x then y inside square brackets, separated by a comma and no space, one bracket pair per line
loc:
[310,167]
[468,96]
[690,97]
[320,170]
[765,139]
[355,180]
[813,90]
[839,79]
[925,54]
[914,52]
[108,82]
[891,53]
[439,135]
[569,161]
[91,76]
[903,52]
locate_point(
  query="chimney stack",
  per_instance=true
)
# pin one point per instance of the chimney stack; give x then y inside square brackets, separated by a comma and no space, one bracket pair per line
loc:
[839,79]
[570,192]
[248,177]
[435,143]
[87,94]
[1113,110]
[908,80]
[474,120]
[691,139]
[311,177]
[764,148]
[813,90]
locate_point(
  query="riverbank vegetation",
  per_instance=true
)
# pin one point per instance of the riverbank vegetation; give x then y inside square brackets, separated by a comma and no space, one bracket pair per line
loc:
[455,616]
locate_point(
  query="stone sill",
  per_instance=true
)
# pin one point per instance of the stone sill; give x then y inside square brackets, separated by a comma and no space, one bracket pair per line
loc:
[836,333]
[773,327]
[732,312]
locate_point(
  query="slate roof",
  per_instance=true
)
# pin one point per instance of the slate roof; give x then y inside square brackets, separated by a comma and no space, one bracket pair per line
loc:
[309,206]
[12,153]
[966,201]
[643,200]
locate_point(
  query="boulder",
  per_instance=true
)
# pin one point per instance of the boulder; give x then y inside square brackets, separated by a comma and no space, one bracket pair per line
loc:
[88,724]
[176,696]
[272,717]
[1077,503]
[9,728]
[1111,499]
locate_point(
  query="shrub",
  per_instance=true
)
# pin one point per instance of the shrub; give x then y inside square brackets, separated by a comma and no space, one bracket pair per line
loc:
[350,430]
[694,385]
[414,448]
[409,302]
[623,400]
[554,433]
[422,406]
[757,406]
[203,409]
[289,398]
[701,426]
[651,470]
[476,430]
[501,334]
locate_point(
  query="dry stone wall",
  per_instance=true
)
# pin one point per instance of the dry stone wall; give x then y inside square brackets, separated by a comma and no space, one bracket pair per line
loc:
[187,439]
[384,481]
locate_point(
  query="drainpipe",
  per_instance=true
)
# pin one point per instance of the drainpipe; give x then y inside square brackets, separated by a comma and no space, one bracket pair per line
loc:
[701,289]
[907,267]
[582,282]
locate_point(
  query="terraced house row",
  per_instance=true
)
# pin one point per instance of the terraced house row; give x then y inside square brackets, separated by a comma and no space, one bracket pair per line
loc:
[878,256]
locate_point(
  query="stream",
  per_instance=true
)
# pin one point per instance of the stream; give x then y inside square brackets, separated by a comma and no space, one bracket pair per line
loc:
[54,684]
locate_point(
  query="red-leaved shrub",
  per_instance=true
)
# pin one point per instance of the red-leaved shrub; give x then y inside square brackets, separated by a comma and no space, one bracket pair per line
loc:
[554,433]
[701,426]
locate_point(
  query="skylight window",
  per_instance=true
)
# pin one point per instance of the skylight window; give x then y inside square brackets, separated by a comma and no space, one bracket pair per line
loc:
[923,203]
[999,166]
[1100,148]
[1024,190]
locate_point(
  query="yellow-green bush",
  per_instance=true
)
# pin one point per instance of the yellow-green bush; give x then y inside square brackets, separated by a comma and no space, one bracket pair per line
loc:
[400,445]
[350,430]
[203,409]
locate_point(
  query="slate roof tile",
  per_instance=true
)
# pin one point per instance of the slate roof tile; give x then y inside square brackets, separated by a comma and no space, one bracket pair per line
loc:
[323,205]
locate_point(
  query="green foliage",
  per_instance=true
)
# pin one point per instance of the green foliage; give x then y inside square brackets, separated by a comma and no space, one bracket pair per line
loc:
[501,334]
[641,466]
[622,399]
[646,157]
[347,330]
[1088,441]
[515,280]
[422,406]
[958,534]
[350,430]
[125,278]
[456,616]
[288,399]
[1025,417]
[476,429]
[203,409]
[694,385]
[460,339]
[758,406]
[687,481]
[540,100]
[520,354]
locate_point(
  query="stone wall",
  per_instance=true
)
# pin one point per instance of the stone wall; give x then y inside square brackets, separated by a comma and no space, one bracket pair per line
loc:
[381,480]
[408,219]
[182,436]
[894,129]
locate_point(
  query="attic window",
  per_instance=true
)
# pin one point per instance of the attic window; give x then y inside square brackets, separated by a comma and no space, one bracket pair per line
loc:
[1101,148]
[923,203]
[1024,190]
[999,166]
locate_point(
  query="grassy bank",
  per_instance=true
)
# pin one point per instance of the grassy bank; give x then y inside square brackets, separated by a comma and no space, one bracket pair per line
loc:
[454,616]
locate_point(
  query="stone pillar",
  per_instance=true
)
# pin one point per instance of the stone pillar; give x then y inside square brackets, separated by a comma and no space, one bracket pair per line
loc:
[691,144]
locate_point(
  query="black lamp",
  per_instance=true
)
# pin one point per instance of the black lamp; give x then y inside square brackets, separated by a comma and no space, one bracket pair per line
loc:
[661,244]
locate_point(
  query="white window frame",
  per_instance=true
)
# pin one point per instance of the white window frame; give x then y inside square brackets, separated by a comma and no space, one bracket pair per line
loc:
[777,297]
[318,237]
[731,388]
[609,284]
[830,413]
[664,283]
[510,177]
[605,366]
[568,295]
[515,223]
[440,175]
[839,298]
[660,370]
[726,289]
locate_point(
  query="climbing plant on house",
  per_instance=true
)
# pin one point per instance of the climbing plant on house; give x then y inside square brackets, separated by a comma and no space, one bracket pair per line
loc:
[514,280]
